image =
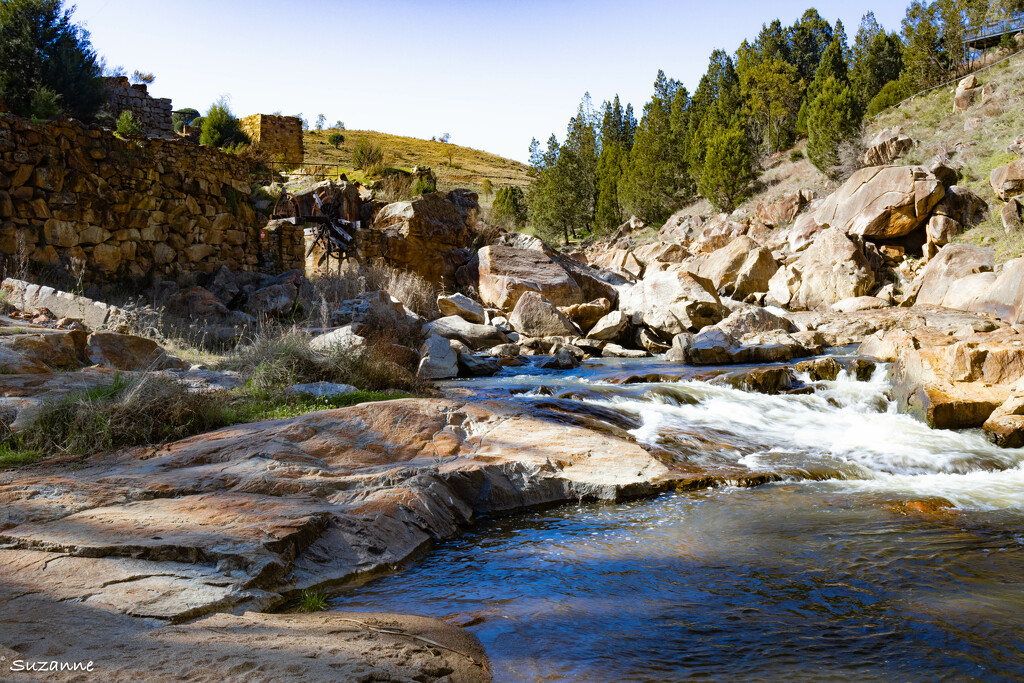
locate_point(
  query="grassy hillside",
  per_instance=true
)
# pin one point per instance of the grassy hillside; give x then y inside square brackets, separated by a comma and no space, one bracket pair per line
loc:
[975,140]
[453,165]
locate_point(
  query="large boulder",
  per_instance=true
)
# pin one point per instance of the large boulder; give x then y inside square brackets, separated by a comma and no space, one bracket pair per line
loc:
[129,352]
[672,301]
[535,316]
[740,269]
[1004,298]
[752,335]
[586,315]
[882,202]
[462,306]
[665,252]
[438,360]
[957,276]
[621,261]
[782,210]
[1008,181]
[886,147]
[30,297]
[610,328]
[506,273]
[429,236]
[833,268]
[374,312]
[471,334]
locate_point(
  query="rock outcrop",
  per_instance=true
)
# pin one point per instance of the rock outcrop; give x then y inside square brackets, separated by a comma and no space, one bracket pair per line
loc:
[740,269]
[506,273]
[1008,181]
[889,145]
[882,202]
[833,268]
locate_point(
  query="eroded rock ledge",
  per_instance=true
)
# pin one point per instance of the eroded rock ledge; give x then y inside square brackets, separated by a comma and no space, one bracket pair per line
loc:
[243,518]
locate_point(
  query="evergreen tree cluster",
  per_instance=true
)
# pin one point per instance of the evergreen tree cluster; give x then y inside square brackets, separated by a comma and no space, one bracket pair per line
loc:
[791,82]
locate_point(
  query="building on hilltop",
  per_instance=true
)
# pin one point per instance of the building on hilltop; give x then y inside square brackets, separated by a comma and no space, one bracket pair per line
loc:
[279,136]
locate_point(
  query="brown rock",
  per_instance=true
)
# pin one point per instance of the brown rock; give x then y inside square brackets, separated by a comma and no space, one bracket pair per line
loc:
[506,273]
[1010,215]
[883,202]
[1008,181]
[535,316]
[586,315]
[886,147]
[740,269]
[128,352]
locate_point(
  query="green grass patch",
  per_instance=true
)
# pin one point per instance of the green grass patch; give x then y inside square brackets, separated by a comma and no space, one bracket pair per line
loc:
[13,456]
[246,406]
[313,601]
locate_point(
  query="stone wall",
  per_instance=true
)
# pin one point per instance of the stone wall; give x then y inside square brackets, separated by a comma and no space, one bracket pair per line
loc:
[279,136]
[154,114]
[284,246]
[77,198]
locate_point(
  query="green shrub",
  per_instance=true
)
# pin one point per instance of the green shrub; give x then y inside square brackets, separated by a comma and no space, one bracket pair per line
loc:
[313,601]
[367,156]
[728,168]
[221,128]
[833,120]
[424,185]
[509,207]
[44,104]
[128,126]
[891,94]
[487,187]
[796,155]
[336,139]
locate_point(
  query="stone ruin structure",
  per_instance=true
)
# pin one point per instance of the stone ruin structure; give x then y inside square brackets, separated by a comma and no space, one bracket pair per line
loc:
[153,113]
[279,136]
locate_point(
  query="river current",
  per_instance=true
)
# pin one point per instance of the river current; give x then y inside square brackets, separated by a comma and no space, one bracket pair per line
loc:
[880,549]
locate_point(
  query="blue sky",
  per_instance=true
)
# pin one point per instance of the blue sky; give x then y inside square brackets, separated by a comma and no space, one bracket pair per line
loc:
[492,74]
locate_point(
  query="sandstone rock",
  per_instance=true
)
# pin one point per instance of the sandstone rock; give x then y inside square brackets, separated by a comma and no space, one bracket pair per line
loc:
[30,297]
[672,301]
[665,252]
[942,230]
[966,90]
[781,211]
[859,303]
[611,350]
[462,306]
[373,312]
[535,316]
[1010,215]
[740,269]
[886,147]
[802,233]
[343,339]
[1004,296]
[882,202]
[473,335]
[611,327]
[281,295]
[619,260]
[427,236]
[128,352]
[1008,181]
[833,268]
[438,360]
[1005,426]
[949,274]
[586,315]
[475,365]
[507,273]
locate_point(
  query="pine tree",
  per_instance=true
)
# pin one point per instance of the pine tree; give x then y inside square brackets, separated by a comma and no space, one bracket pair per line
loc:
[728,168]
[833,119]
[771,91]
[877,59]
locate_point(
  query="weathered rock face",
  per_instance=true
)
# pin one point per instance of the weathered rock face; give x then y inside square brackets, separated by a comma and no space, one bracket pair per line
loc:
[471,334]
[586,315]
[535,316]
[956,276]
[611,327]
[312,500]
[128,352]
[882,202]
[621,261]
[752,335]
[889,145]
[123,209]
[26,296]
[438,360]
[1008,181]
[1010,215]
[429,236]
[506,273]
[665,252]
[966,90]
[783,210]
[672,301]
[462,306]
[740,269]
[833,268]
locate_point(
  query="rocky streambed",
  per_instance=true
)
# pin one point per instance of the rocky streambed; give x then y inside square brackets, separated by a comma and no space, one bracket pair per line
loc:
[803,521]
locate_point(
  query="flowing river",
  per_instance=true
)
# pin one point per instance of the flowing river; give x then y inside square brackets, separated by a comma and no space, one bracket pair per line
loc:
[878,549]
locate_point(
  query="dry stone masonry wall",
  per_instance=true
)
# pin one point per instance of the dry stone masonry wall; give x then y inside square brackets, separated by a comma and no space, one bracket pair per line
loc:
[279,136]
[79,198]
[154,114]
